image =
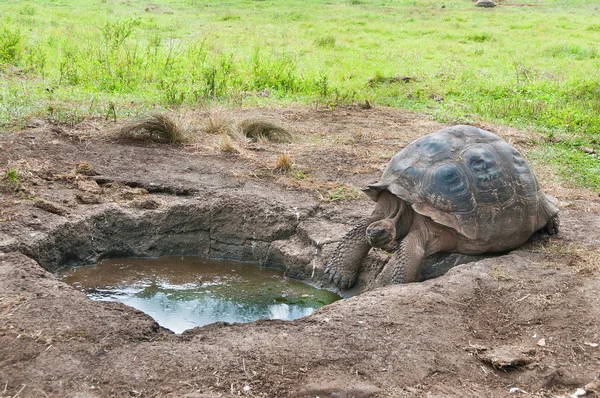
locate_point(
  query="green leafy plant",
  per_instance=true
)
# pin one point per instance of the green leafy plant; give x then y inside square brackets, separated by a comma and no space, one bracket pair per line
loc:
[11,175]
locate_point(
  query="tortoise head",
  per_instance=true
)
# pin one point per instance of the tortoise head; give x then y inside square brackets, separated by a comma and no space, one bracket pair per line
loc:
[382,233]
[392,222]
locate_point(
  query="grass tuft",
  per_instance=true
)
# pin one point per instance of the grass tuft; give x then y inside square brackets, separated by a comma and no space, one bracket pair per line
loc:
[154,127]
[257,130]
[570,50]
[219,123]
[226,145]
[284,163]
[325,41]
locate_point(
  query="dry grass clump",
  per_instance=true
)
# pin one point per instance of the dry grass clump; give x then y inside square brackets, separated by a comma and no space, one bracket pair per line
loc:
[154,127]
[222,124]
[258,130]
[226,145]
[284,163]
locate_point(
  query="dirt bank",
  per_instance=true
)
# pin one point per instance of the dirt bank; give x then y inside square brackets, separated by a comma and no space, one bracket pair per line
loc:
[528,320]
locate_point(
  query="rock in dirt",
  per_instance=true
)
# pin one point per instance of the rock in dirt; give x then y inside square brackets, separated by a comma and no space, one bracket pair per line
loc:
[339,390]
[88,199]
[593,385]
[147,203]
[485,3]
[85,168]
[503,357]
[50,207]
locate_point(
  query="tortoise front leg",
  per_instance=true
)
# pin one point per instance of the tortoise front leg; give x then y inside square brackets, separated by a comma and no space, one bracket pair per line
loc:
[424,239]
[342,269]
[407,261]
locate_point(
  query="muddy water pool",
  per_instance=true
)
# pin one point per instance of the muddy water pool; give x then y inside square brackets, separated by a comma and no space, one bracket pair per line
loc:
[184,292]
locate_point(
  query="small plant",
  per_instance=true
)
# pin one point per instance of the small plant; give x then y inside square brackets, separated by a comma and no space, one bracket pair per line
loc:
[257,130]
[10,46]
[115,33]
[298,174]
[11,175]
[157,127]
[322,86]
[284,163]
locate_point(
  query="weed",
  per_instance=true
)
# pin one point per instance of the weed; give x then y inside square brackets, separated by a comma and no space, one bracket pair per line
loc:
[157,127]
[298,174]
[256,130]
[322,86]
[10,46]
[115,33]
[11,175]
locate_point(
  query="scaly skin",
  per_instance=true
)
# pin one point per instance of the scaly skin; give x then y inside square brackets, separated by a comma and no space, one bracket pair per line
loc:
[342,269]
[407,260]
[553,225]
[424,238]
[392,224]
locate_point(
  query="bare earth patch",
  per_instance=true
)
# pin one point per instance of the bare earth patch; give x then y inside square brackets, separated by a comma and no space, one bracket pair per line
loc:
[525,323]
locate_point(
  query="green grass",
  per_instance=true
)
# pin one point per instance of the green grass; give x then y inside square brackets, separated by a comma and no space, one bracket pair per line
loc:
[528,64]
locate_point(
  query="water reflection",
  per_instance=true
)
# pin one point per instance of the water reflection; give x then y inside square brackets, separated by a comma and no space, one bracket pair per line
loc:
[184,292]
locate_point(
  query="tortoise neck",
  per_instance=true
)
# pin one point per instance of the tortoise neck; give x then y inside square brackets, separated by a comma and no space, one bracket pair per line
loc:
[404,219]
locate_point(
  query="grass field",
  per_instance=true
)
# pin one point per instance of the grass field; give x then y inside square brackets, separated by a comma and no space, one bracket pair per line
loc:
[528,63]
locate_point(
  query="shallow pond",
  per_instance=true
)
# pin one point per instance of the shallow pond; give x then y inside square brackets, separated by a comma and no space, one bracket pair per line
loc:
[184,292]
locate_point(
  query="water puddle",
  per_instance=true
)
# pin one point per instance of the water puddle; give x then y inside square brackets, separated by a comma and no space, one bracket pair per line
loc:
[184,292]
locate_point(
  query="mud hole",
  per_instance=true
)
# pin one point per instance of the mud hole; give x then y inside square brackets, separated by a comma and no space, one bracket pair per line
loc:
[527,320]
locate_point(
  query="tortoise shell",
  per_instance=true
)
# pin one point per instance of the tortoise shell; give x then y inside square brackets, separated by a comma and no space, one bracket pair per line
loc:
[470,180]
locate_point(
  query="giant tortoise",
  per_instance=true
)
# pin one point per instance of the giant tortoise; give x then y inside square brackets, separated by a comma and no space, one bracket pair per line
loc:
[460,189]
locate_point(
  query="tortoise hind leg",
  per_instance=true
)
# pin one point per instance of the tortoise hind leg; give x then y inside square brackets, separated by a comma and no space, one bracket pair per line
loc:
[552,227]
[549,211]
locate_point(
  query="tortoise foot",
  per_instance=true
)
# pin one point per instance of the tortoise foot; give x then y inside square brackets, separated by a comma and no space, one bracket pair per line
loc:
[552,226]
[339,278]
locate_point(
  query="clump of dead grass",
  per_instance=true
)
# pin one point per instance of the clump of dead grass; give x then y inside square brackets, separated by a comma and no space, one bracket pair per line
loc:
[262,130]
[284,163]
[219,123]
[154,127]
[226,144]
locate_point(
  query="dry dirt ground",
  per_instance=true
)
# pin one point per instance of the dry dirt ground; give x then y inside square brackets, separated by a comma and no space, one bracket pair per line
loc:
[526,323]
